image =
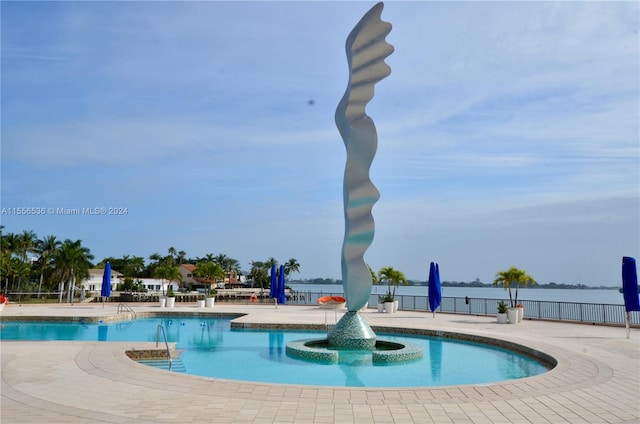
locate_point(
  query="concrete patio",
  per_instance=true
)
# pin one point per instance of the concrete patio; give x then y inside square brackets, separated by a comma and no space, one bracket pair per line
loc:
[597,379]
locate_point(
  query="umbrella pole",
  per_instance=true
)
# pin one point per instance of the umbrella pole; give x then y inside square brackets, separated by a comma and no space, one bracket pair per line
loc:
[627,319]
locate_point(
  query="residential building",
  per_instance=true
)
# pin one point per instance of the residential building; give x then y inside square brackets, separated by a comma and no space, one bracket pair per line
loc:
[94,282]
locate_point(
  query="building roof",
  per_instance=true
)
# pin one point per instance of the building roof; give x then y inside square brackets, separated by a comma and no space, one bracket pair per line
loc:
[189,267]
[100,271]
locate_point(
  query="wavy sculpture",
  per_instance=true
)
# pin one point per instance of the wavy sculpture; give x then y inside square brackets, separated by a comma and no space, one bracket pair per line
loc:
[366,50]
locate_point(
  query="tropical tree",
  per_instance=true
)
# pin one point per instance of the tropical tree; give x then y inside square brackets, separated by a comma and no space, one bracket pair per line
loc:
[181,255]
[172,257]
[14,259]
[374,276]
[26,243]
[271,261]
[154,261]
[9,246]
[169,273]
[20,270]
[230,266]
[71,263]
[393,278]
[209,257]
[209,272]
[46,248]
[513,277]
[259,274]
[130,266]
[292,265]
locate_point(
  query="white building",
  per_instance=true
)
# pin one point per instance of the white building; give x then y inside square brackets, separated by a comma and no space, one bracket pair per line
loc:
[94,282]
[154,285]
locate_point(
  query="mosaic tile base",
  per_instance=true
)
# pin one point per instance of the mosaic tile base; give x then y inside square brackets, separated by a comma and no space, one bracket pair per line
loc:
[352,332]
[385,352]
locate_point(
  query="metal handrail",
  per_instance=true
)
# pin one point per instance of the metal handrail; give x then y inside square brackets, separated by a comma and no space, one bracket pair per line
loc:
[124,306]
[166,343]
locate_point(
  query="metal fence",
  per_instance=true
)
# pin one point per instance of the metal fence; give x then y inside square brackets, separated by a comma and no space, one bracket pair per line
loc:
[588,313]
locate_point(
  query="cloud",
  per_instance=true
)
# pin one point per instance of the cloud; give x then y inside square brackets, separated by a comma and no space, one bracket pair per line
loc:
[501,122]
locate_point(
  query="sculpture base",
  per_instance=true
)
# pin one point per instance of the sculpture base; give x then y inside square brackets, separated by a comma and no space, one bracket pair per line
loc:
[352,332]
[384,353]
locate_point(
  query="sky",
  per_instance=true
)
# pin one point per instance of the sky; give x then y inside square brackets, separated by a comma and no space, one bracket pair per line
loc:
[508,133]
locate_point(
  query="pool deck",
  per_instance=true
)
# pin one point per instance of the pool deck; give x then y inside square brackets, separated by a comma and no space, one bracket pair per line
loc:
[597,379]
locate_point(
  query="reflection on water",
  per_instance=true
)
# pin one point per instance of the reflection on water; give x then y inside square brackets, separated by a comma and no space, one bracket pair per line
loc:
[103,332]
[435,358]
[276,345]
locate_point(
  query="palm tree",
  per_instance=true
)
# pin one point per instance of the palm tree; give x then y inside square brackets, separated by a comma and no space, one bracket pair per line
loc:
[259,274]
[181,255]
[392,277]
[209,257]
[167,272]
[137,265]
[47,248]
[292,265]
[71,263]
[155,257]
[271,261]
[130,266]
[26,244]
[230,266]
[173,254]
[21,270]
[510,278]
[374,276]
[15,261]
[9,247]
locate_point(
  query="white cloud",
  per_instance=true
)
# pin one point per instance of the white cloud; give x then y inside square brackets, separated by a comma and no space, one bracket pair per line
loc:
[500,122]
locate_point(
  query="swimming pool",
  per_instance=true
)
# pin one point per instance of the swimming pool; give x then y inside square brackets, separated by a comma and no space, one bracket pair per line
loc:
[212,349]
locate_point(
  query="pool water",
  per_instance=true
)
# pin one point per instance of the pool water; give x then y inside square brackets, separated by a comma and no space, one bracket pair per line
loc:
[212,349]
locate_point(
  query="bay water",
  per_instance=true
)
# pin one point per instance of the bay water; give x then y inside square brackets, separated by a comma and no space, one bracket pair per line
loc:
[597,296]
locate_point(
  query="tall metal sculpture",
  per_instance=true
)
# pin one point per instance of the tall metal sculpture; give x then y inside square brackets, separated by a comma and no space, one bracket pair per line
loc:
[366,50]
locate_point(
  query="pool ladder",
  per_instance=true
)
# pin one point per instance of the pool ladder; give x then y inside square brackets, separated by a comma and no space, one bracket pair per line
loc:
[123,307]
[166,343]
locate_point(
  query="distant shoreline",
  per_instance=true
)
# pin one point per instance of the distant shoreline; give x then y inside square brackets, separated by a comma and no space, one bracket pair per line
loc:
[550,286]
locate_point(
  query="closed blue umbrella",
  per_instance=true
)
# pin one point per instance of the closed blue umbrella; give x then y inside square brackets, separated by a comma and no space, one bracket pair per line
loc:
[273,286]
[630,288]
[281,296]
[105,291]
[435,292]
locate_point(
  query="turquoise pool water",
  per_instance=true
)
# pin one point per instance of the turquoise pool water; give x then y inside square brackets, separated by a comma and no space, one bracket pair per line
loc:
[213,349]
